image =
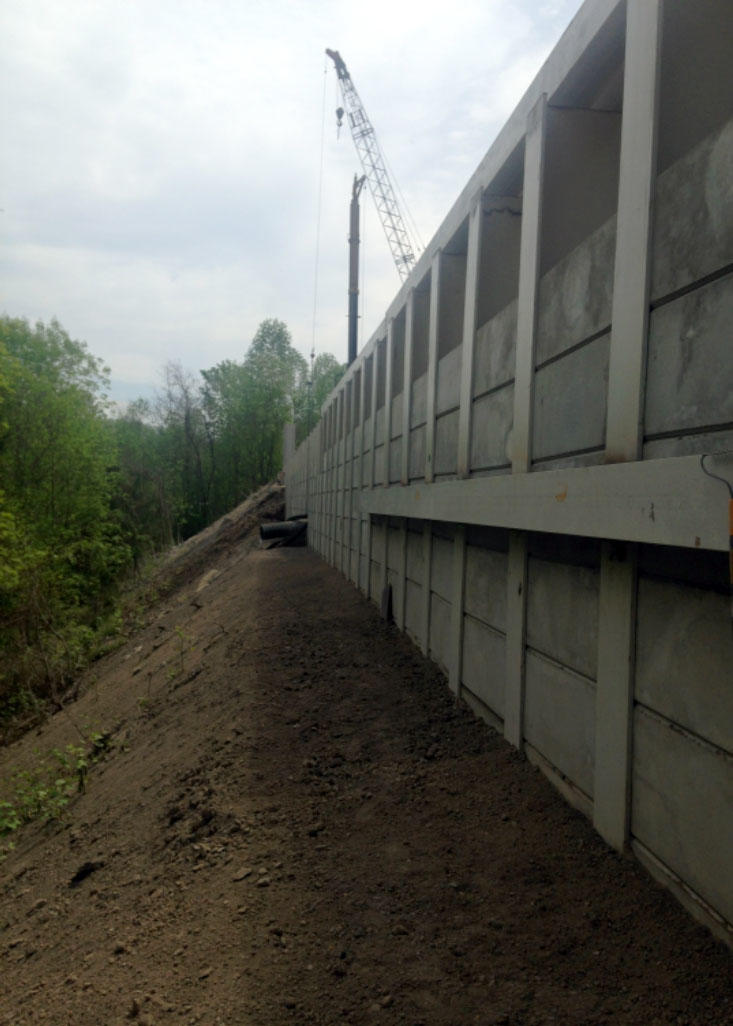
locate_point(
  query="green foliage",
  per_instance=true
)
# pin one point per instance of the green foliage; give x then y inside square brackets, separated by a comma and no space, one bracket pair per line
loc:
[87,497]
[312,393]
[61,547]
[204,445]
[44,791]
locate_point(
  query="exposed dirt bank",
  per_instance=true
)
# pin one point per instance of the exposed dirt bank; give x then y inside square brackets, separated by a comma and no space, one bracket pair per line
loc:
[296,824]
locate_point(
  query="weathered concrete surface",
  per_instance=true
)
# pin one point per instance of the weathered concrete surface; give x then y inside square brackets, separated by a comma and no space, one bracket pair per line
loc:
[495,352]
[682,796]
[570,402]
[575,296]
[395,460]
[683,639]
[559,718]
[413,609]
[710,441]
[484,670]
[446,442]
[562,614]
[367,434]
[396,421]
[693,215]
[452,287]
[441,568]
[379,429]
[439,648]
[418,409]
[493,417]
[448,381]
[485,588]
[498,275]
[690,362]
[581,178]
[416,463]
[415,566]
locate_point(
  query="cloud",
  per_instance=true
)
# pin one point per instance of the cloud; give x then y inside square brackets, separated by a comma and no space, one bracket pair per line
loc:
[160,165]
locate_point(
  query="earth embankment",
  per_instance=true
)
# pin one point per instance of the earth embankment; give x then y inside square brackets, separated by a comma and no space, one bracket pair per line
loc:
[294,823]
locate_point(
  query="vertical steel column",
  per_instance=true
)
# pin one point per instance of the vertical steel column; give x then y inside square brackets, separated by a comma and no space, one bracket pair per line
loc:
[329,495]
[373,431]
[407,388]
[529,265]
[348,473]
[362,519]
[629,331]
[432,377]
[427,541]
[337,487]
[389,350]
[457,598]
[475,221]
[401,605]
[373,438]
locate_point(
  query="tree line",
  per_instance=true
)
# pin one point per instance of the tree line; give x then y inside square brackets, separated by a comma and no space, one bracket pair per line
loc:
[86,492]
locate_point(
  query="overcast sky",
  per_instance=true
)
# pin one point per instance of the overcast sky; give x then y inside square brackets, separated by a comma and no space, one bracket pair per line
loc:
[159,165]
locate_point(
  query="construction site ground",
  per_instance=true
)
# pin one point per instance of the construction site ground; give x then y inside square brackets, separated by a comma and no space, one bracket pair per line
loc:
[293,822]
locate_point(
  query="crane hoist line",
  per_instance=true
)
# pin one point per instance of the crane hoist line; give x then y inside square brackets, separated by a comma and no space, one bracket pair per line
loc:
[375,170]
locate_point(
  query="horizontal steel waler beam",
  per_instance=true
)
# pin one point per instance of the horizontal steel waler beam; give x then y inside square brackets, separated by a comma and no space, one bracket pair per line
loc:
[661,502]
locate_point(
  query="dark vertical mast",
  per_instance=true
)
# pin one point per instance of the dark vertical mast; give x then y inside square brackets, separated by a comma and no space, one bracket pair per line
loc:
[354,266]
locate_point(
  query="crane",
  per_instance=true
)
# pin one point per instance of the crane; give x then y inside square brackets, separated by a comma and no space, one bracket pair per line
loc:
[375,169]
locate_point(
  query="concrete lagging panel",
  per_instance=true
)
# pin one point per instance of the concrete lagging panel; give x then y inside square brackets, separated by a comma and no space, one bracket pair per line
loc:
[440,616]
[575,296]
[492,420]
[693,216]
[495,351]
[448,377]
[690,367]
[484,652]
[485,587]
[570,402]
[396,422]
[683,638]
[612,668]
[682,795]
[446,440]
[562,614]
[418,409]
[560,718]
[441,569]
[413,610]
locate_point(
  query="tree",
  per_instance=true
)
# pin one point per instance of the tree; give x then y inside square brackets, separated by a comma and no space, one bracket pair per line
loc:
[312,393]
[59,536]
[187,448]
[143,487]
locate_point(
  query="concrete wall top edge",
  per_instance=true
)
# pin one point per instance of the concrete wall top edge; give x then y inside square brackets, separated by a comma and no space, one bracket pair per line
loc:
[586,24]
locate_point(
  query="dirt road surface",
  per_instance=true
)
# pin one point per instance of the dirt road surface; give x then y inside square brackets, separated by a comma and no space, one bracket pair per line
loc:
[295,824]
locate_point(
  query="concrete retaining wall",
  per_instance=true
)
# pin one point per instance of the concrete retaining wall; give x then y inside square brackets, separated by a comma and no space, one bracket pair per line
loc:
[516,452]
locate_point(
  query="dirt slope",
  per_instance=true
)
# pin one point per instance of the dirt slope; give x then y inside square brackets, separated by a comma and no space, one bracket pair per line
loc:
[295,824]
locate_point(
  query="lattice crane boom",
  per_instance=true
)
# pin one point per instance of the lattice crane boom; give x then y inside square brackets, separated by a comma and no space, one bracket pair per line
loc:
[375,169]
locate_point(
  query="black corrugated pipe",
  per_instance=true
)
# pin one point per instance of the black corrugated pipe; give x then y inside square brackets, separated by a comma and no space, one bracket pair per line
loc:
[288,532]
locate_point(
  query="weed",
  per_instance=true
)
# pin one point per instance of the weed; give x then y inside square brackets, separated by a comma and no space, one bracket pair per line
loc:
[44,791]
[185,645]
